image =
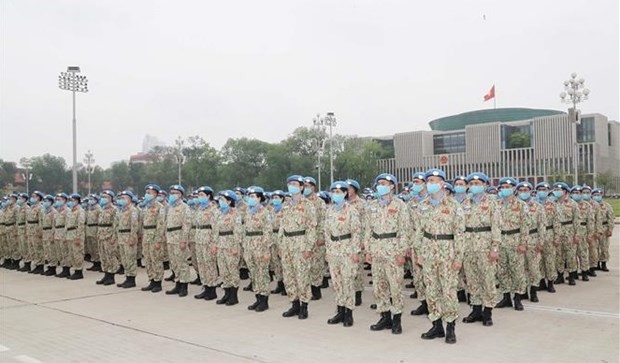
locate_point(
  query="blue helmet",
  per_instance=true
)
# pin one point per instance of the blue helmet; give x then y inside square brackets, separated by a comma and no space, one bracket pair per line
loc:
[154,187]
[240,190]
[525,184]
[342,185]
[49,197]
[127,193]
[256,190]
[39,194]
[279,193]
[23,195]
[163,192]
[386,176]
[561,185]
[94,196]
[207,190]
[597,190]
[353,183]
[325,196]
[543,185]
[491,189]
[586,187]
[297,178]
[229,194]
[76,196]
[576,188]
[459,177]
[178,188]
[419,176]
[508,180]
[478,176]
[62,195]
[434,172]
[310,180]
[449,187]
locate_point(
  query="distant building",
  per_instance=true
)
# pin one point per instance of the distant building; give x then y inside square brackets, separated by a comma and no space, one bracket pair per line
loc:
[528,144]
[140,158]
[150,142]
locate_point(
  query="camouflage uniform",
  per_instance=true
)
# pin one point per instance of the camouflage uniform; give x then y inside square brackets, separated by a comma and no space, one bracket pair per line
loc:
[10,232]
[127,226]
[584,233]
[482,236]
[566,251]
[297,235]
[205,241]
[241,209]
[386,238]
[60,237]
[34,234]
[50,247]
[276,263]
[193,211]
[537,223]
[22,240]
[3,241]
[75,223]
[92,220]
[515,233]
[418,279]
[439,236]
[360,206]
[229,231]
[342,234]
[153,231]
[257,243]
[607,227]
[107,239]
[548,258]
[317,266]
[178,228]
[593,246]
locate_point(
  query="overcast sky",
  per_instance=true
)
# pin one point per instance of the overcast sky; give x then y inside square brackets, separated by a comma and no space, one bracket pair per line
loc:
[260,69]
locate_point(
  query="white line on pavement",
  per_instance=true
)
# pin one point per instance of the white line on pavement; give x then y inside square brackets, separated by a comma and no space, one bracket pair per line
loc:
[3,348]
[26,359]
[556,309]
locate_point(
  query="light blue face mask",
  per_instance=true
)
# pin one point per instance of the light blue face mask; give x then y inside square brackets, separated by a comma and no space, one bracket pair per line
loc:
[148,197]
[203,200]
[293,189]
[20,202]
[551,198]
[433,188]
[121,202]
[542,195]
[58,204]
[460,189]
[276,202]
[558,193]
[223,204]
[47,204]
[103,202]
[576,197]
[586,196]
[307,192]
[172,198]
[338,198]
[33,200]
[505,193]
[251,201]
[525,195]
[407,197]
[160,199]
[383,190]
[597,198]
[70,204]
[92,202]
[417,188]
[477,189]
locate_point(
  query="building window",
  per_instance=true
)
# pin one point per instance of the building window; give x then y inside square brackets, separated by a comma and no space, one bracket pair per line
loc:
[609,134]
[449,143]
[585,130]
[516,137]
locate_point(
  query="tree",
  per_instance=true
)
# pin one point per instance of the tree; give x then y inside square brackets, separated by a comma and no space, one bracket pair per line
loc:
[201,163]
[518,140]
[603,180]
[7,173]
[50,174]
[119,175]
[243,160]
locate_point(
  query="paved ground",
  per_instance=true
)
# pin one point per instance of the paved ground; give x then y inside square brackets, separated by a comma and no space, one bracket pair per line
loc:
[46,319]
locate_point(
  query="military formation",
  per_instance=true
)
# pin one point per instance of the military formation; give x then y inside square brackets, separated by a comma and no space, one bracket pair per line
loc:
[464,241]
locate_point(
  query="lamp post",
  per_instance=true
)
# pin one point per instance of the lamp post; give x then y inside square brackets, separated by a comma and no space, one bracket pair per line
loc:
[320,144]
[71,81]
[179,154]
[89,161]
[574,93]
[26,163]
[328,121]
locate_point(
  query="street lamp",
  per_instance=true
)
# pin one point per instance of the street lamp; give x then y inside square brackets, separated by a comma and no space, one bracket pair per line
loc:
[179,154]
[89,161]
[574,93]
[71,81]
[320,144]
[330,121]
[26,163]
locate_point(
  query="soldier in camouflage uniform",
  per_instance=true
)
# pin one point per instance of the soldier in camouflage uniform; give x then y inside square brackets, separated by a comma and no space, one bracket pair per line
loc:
[3,241]
[50,248]
[440,233]
[298,239]
[386,241]
[584,231]
[107,238]
[228,230]
[342,233]
[547,265]
[565,234]
[178,228]
[204,219]
[606,228]
[515,239]
[162,197]
[127,226]
[22,240]
[60,234]
[92,220]
[277,198]
[359,204]
[537,223]
[153,234]
[241,208]
[460,195]
[34,233]
[597,214]
[10,232]
[193,204]
[318,267]
[257,246]
[75,222]
[418,193]
[481,249]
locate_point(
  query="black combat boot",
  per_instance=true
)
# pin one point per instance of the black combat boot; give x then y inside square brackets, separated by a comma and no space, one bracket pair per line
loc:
[525,296]
[255,304]
[38,270]
[591,272]
[156,287]
[316,292]
[51,271]
[248,288]
[103,279]
[279,288]
[373,306]
[584,276]
[409,285]
[487,316]
[95,267]
[15,264]
[166,265]
[6,263]
[421,310]
[183,289]
[224,298]
[475,315]
[505,302]
[196,281]
[414,295]
[263,303]
[244,274]
[175,290]
[358,298]
[303,311]
[172,277]
[66,272]
[325,283]
[202,294]
[339,317]
[461,296]
[542,285]
[149,287]
[77,275]
[450,334]
[109,280]
[435,332]
[534,294]
[139,263]
[604,266]
[396,327]
[25,268]
[233,299]
[384,323]
[517,300]
[294,310]
[572,276]
[211,294]
[550,287]
[560,278]
[348,317]
[121,270]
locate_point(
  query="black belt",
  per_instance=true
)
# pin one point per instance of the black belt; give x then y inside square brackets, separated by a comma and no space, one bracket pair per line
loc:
[60,226]
[445,237]
[105,225]
[512,231]
[33,222]
[21,223]
[124,230]
[275,231]
[478,229]
[149,227]
[9,224]
[71,228]
[566,223]
[584,223]
[255,233]
[605,223]
[172,229]
[341,237]
[384,235]
[294,234]
[535,230]
[226,233]
[204,226]
[549,227]
[47,228]
[92,225]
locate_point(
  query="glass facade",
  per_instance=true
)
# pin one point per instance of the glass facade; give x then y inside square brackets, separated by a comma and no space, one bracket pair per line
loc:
[449,143]
[585,130]
[516,137]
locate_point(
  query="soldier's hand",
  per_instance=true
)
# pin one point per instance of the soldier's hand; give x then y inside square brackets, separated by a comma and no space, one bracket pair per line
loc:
[419,261]
[267,257]
[234,252]
[539,248]
[521,249]
[306,254]
[320,242]
[157,246]
[493,256]
[400,260]
[213,251]
[77,242]
[456,265]
[368,259]
[408,252]
[556,243]
[608,233]
[183,246]
[355,258]
[575,241]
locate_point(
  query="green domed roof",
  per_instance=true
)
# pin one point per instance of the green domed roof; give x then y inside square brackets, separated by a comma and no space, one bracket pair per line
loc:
[458,122]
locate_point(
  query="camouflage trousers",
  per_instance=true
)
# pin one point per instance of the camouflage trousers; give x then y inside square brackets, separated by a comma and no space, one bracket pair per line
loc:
[153,253]
[257,255]
[109,254]
[481,278]
[166,251]
[532,262]
[583,254]
[566,252]
[547,260]
[343,272]
[318,265]
[441,280]
[13,245]
[593,252]
[128,253]
[179,261]
[228,260]
[3,247]
[295,270]
[35,246]
[275,264]
[207,264]
[51,250]
[22,245]
[64,253]
[76,254]
[387,283]
[194,258]
[418,281]
[603,249]
[92,248]
[358,283]
[511,272]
